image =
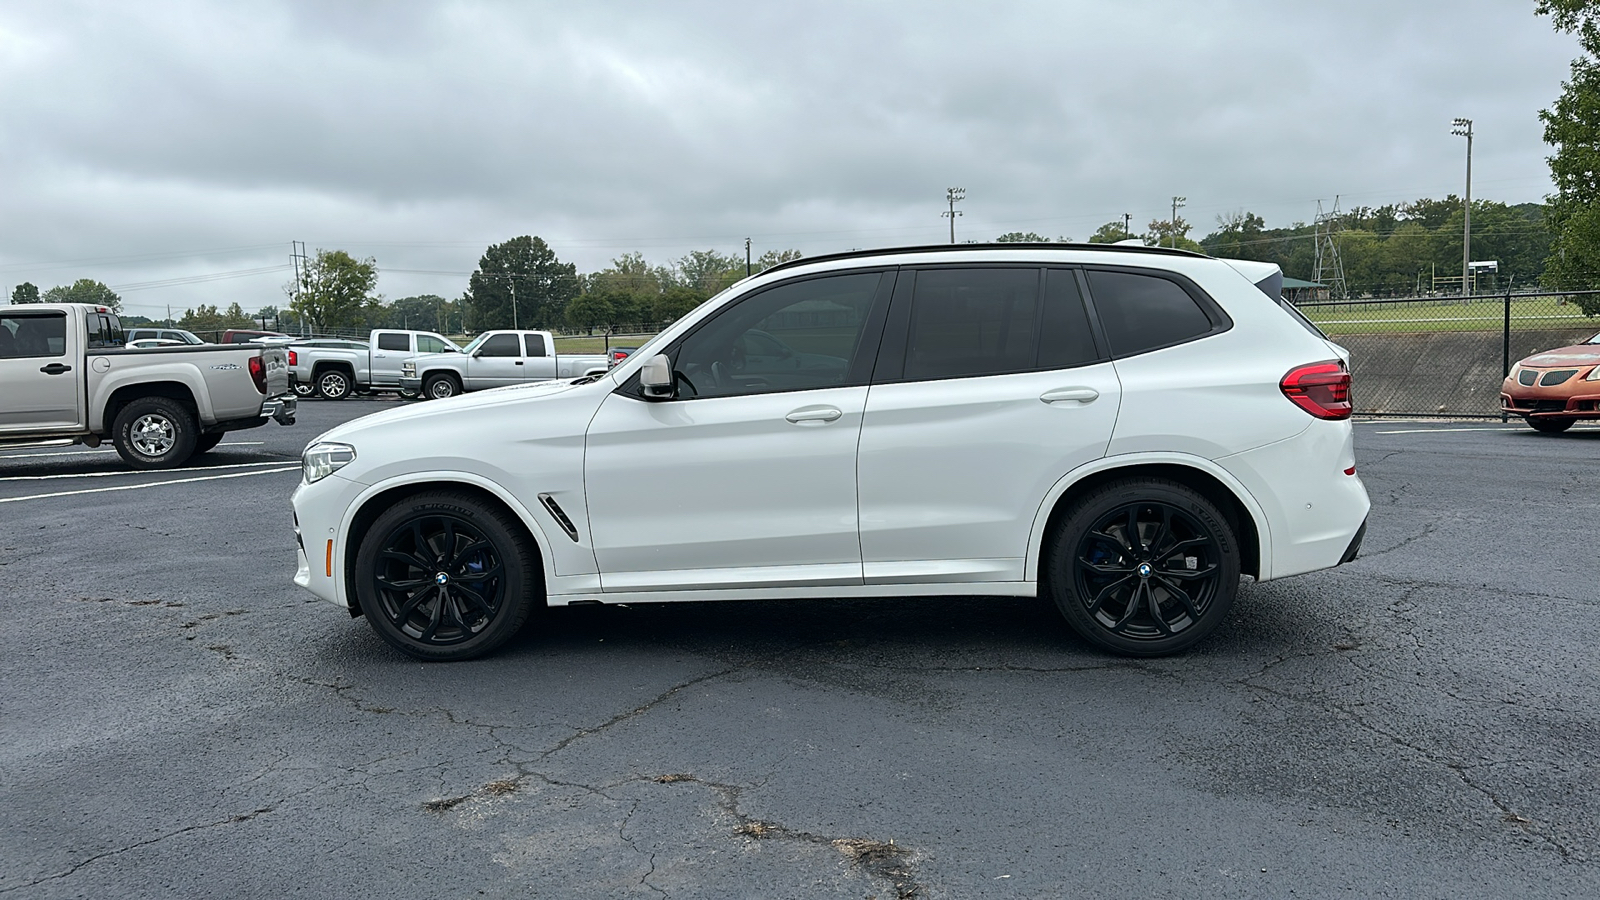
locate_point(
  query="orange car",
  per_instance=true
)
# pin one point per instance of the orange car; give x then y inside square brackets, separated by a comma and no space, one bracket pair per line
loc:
[1553,389]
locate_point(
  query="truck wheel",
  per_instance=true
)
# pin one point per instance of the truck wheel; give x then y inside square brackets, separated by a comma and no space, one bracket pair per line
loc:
[333,384]
[302,390]
[443,576]
[438,387]
[154,433]
[205,443]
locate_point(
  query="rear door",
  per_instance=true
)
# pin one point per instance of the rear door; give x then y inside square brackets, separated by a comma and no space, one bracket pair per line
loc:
[390,350]
[541,360]
[991,385]
[41,377]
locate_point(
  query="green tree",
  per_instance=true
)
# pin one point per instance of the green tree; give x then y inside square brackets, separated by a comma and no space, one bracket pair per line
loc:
[336,290]
[26,292]
[1022,237]
[592,309]
[707,271]
[1110,233]
[1168,233]
[1239,235]
[210,318]
[421,312]
[676,302]
[1572,127]
[773,257]
[84,290]
[523,271]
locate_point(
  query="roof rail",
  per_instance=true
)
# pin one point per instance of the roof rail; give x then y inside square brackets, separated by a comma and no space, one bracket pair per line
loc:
[1018,245]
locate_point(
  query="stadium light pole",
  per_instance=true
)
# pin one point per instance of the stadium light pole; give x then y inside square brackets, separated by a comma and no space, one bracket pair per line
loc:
[954,195]
[1463,128]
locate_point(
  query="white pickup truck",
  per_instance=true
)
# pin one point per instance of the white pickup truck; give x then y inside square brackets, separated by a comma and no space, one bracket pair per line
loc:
[333,369]
[495,359]
[66,378]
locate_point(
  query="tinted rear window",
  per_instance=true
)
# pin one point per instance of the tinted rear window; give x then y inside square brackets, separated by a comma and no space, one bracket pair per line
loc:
[967,322]
[394,342]
[1145,312]
[1064,336]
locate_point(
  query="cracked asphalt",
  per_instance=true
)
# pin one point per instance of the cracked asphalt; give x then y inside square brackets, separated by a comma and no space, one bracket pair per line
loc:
[178,720]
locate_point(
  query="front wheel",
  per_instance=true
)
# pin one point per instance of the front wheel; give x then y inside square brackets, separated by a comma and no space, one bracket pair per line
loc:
[444,576]
[303,390]
[1550,426]
[154,433]
[1144,567]
[439,387]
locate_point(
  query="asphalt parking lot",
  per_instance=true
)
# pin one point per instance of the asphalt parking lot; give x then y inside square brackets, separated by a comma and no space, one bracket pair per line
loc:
[178,720]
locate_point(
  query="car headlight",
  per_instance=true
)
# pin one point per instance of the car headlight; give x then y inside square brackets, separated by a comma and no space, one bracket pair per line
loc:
[325,458]
[408,368]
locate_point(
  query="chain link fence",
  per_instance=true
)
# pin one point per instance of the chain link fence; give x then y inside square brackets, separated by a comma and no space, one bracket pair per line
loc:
[1446,356]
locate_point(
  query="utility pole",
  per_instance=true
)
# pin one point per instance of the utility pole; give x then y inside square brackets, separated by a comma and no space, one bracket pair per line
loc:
[514,326]
[1127,226]
[954,195]
[1463,128]
[747,257]
[1177,204]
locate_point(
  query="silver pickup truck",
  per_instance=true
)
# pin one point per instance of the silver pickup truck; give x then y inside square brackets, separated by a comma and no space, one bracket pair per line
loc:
[333,369]
[495,359]
[66,378]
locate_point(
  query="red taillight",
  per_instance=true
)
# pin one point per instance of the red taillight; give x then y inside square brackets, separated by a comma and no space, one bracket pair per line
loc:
[258,373]
[292,359]
[1321,389]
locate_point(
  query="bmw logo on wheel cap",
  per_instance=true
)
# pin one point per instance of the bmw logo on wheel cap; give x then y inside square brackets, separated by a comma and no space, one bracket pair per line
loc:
[1144,571]
[441,578]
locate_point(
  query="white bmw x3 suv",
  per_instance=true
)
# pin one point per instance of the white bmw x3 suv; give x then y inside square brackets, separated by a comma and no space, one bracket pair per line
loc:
[1126,430]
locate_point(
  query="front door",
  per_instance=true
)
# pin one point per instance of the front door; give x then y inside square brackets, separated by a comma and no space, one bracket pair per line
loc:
[41,375]
[496,363]
[747,478]
[991,387]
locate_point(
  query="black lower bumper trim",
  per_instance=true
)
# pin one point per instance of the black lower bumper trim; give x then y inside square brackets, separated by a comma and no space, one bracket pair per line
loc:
[1354,550]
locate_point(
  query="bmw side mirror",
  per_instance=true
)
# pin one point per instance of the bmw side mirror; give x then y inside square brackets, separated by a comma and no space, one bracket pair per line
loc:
[656,377]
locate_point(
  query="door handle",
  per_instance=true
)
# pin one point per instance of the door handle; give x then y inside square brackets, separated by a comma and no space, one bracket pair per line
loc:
[55,369]
[1081,394]
[519,362]
[814,414]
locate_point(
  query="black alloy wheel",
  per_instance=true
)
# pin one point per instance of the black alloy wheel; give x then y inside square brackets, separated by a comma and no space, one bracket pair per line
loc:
[1144,567]
[445,576]
[333,384]
[440,387]
[1550,426]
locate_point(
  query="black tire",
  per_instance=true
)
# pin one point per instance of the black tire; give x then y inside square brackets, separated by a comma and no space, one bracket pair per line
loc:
[154,433]
[334,384]
[440,387]
[205,443]
[1550,426]
[409,395]
[302,390]
[1128,589]
[443,576]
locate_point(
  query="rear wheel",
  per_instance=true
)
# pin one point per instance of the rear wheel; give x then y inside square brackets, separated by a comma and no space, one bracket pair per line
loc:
[333,384]
[302,389]
[1144,567]
[154,433]
[1550,426]
[438,387]
[443,576]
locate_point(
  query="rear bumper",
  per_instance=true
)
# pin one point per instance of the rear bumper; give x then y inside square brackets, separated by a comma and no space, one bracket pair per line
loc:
[1354,550]
[280,409]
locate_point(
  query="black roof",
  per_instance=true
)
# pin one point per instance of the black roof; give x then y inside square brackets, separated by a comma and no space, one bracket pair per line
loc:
[1019,245]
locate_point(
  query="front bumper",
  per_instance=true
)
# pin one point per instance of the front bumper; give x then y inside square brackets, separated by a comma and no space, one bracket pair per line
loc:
[1574,399]
[280,409]
[414,385]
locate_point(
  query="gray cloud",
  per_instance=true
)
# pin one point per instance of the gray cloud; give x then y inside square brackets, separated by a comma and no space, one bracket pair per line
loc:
[155,142]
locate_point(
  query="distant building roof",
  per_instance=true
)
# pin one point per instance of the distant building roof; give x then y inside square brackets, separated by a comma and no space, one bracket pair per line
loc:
[1297,283]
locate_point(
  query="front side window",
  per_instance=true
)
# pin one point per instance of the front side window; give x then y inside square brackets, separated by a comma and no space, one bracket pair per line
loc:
[23,336]
[1144,312]
[804,335]
[501,345]
[430,344]
[400,342]
[967,322]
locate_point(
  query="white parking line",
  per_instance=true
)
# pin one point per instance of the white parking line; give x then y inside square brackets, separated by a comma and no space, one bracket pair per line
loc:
[135,487]
[113,450]
[271,462]
[1506,428]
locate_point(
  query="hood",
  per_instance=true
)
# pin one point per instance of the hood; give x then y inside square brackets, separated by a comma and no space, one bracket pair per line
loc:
[442,412]
[421,358]
[1576,355]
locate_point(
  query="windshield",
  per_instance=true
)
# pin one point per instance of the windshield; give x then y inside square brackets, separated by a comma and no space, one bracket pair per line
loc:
[1593,340]
[475,342]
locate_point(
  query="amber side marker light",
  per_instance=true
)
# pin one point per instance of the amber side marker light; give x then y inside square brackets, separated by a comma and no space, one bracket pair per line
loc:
[330,557]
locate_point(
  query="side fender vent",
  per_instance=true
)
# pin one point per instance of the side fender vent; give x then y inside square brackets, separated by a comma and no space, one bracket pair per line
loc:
[560,515]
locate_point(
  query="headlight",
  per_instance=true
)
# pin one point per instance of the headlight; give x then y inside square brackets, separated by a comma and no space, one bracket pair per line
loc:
[408,368]
[325,458]
[1594,374]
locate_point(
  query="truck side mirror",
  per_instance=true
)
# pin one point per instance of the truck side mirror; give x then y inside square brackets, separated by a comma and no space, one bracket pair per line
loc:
[656,377]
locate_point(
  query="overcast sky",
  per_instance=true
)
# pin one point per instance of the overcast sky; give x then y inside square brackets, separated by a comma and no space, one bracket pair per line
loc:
[174,149]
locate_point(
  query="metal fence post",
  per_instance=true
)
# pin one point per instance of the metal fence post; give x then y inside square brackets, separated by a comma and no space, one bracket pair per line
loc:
[1505,350]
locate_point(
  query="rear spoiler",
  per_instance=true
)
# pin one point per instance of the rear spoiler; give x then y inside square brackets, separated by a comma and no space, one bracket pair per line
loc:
[1264,275]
